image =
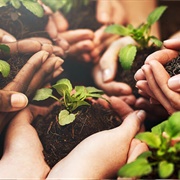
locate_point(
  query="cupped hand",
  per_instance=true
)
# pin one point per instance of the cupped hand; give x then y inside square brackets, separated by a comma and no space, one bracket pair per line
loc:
[40,69]
[101,155]
[23,152]
[105,70]
[152,80]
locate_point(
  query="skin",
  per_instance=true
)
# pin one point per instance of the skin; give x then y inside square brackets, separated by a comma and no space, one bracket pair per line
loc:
[106,68]
[155,83]
[101,155]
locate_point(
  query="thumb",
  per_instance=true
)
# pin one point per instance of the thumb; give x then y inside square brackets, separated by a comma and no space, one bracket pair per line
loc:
[12,101]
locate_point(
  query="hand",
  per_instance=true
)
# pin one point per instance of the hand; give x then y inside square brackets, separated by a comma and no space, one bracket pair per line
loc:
[152,80]
[40,69]
[23,157]
[108,12]
[101,155]
[105,70]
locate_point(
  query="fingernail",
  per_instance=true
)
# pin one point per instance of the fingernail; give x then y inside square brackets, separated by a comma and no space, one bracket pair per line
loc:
[170,40]
[6,38]
[141,114]
[174,82]
[18,100]
[107,75]
[45,56]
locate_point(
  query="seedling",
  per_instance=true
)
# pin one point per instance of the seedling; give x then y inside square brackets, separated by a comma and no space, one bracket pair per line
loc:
[141,35]
[71,99]
[163,157]
[4,66]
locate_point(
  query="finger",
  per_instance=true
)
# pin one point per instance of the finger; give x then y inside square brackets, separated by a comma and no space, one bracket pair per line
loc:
[112,87]
[74,36]
[163,56]
[22,80]
[81,47]
[60,21]
[61,42]
[174,83]
[139,75]
[51,28]
[129,99]
[162,82]
[103,12]
[136,149]
[45,73]
[172,44]
[12,101]
[5,37]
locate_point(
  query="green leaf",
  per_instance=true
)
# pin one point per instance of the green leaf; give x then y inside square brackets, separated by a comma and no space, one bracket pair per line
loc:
[165,169]
[77,104]
[65,82]
[34,7]
[173,126]
[138,168]
[127,55]
[117,29]
[80,93]
[16,4]
[91,90]
[3,3]
[65,118]
[156,14]
[150,139]
[145,155]
[55,4]
[42,94]
[156,41]
[4,48]
[159,129]
[4,68]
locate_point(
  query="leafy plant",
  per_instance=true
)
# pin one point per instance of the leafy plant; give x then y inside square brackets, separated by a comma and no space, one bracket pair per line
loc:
[141,35]
[32,5]
[163,157]
[65,5]
[71,99]
[4,66]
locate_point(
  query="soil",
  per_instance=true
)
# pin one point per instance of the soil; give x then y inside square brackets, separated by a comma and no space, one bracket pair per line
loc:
[59,140]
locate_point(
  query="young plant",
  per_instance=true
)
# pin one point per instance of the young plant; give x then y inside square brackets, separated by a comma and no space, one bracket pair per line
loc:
[32,5]
[163,157]
[71,99]
[4,66]
[141,35]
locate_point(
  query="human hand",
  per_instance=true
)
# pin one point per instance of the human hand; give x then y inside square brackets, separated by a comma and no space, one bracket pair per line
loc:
[108,12]
[40,69]
[152,80]
[105,70]
[23,152]
[100,155]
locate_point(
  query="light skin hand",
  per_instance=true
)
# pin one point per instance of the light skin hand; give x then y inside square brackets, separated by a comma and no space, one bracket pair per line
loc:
[154,73]
[108,12]
[92,154]
[105,70]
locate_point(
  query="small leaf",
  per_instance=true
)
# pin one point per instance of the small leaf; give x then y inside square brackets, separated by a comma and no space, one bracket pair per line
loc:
[156,41]
[156,14]
[34,7]
[4,68]
[42,94]
[127,55]
[4,48]
[138,168]
[3,3]
[16,4]
[150,139]
[159,129]
[117,29]
[145,155]
[65,117]
[55,4]
[173,125]
[165,169]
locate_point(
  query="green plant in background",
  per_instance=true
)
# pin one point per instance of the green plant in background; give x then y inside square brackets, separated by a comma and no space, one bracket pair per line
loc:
[163,158]
[71,99]
[141,35]
[32,5]
[4,66]
[65,5]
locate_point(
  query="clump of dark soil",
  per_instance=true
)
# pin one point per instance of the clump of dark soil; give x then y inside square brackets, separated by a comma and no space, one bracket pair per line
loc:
[127,76]
[58,140]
